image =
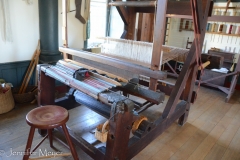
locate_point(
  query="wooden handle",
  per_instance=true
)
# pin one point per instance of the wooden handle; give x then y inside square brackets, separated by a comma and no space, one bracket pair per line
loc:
[104,126]
[204,65]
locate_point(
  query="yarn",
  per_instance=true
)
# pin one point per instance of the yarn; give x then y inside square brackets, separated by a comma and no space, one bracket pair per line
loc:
[139,51]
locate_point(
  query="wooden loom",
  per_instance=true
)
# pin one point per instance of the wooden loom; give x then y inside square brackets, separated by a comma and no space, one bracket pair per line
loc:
[120,108]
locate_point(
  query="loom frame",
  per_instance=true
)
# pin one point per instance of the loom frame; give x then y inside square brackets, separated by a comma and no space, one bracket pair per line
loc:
[119,146]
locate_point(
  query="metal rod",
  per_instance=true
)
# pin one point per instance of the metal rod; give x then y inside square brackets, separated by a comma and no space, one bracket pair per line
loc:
[134,4]
[144,108]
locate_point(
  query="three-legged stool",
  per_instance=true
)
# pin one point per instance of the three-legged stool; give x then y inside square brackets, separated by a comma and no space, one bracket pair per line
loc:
[47,117]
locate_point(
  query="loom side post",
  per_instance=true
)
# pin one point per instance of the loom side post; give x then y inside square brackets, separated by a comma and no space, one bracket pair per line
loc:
[158,40]
[206,7]
[189,66]
[120,127]
[133,3]
[64,26]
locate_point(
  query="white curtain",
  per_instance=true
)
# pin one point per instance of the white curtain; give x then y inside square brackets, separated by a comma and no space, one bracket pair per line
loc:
[5,22]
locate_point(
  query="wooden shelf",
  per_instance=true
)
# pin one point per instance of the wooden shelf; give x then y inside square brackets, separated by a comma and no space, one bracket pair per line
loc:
[233,19]
[221,7]
[225,34]
[183,29]
[188,25]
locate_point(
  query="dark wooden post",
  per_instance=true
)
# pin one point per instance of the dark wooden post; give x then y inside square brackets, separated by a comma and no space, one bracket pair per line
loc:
[46,89]
[189,64]
[118,136]
[131,23]
[158,39]
[147,27]
[46,93]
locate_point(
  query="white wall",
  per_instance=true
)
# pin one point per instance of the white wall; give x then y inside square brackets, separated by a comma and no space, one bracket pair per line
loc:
[116,25]
[179,39]
[75,27]
[25,31]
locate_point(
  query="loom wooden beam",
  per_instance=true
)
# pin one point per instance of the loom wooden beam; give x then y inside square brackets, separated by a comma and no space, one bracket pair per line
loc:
[98,58]
[233,19]
[148,27]
[130,28]
[186,16]
[237,69]
[117,141]
[234,81]
[158,37]
[145,9]
[173,7]
[123,12]
[128,14]
[218,77]
[188,66]
[200,23]
[166,88]
[188,93]
[181,9]
[131,23]
[133,3]
[64,26]
[231,90]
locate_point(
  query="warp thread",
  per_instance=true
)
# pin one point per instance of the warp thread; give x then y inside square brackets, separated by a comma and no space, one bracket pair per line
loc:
[138,51]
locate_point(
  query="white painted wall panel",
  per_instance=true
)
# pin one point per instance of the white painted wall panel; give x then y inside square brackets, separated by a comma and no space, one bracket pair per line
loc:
[25,31]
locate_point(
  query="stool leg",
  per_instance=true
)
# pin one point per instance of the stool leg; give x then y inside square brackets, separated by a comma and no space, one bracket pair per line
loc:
[50,137]
[73,151]
[29,144]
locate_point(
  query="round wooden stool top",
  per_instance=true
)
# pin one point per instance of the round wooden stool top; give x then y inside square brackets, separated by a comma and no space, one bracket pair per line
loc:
[47,117]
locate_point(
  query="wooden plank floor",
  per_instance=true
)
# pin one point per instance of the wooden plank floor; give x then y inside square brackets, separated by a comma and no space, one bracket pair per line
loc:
[211,133]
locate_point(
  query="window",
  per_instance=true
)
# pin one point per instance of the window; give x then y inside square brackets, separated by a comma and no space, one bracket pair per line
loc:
[102,20]
[98,18]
